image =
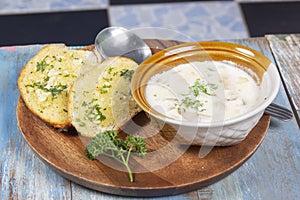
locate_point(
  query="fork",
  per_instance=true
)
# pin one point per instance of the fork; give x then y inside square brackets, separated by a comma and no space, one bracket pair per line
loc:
[279,112]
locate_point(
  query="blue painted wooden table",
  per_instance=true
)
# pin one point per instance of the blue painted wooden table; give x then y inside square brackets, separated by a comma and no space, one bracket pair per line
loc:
[273,172]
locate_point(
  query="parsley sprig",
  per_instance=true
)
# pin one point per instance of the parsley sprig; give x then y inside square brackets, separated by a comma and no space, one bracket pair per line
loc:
[107,143]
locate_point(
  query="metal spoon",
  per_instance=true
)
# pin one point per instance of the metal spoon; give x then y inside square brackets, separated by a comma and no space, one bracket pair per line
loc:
[118,41]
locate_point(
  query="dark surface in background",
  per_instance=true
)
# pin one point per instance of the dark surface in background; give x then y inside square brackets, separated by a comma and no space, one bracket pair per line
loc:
[272,18]
[71,28]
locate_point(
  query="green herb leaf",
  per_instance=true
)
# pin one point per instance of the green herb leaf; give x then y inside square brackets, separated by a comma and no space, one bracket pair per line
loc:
[54,89]
[93,112]
[202,86]
[126,73]
[107,143]
[188,102]
[41,66]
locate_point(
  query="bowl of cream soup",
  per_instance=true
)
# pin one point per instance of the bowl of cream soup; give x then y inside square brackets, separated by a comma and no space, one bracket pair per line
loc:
[211,93]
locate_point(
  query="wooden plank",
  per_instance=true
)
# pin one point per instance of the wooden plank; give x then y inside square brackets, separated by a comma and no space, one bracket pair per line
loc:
[286,49]
[23,175]
[79,192]
[271,173]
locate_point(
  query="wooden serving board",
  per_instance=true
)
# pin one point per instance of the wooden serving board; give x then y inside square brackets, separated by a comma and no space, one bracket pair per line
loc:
[64,152]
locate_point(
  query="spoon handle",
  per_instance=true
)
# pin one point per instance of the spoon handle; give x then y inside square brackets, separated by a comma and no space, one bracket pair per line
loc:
[157,45]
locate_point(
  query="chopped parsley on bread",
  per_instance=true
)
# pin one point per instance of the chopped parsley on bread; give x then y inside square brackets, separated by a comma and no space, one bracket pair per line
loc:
[101,99]
[45,81]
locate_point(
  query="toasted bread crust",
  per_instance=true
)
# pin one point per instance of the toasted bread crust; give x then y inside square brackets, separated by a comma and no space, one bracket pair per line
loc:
[45,80]
[49,83]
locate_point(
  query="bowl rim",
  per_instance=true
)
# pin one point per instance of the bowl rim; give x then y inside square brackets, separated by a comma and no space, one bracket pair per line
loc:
[256,110]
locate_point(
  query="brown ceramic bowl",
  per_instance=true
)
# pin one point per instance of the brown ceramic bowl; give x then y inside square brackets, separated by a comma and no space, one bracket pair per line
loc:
[220,133]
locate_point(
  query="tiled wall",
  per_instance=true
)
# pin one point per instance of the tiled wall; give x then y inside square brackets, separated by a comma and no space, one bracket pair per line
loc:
[198,20]
[33,6]
[195,19]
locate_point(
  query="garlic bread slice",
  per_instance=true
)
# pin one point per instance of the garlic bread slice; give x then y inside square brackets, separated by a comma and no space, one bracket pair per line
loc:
[45,81]
[101,99]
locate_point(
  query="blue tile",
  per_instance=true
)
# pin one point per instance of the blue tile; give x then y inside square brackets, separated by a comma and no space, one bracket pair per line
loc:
[238,26]
[197,11]
[128,2]
[199,20]
[130,19]
[33,6]
[160,11]
[224,20]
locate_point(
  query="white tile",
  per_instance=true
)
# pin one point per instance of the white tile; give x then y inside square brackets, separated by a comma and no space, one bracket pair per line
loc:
[33,6]
[198,20]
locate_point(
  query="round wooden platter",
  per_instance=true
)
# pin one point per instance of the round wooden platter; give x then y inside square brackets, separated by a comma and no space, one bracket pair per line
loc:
[64,152]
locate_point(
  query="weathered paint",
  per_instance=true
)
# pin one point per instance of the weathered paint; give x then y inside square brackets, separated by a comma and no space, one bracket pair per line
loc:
[273,172]
[286,49]
[23,175]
